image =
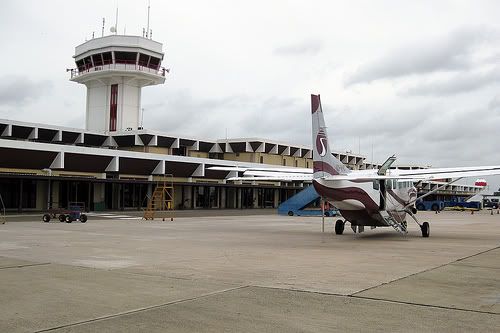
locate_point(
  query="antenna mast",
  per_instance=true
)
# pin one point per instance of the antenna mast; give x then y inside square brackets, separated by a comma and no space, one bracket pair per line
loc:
[103,21]
[116,21]
[147,30]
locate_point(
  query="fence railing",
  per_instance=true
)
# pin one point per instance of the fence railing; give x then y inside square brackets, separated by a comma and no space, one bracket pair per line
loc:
[126,66]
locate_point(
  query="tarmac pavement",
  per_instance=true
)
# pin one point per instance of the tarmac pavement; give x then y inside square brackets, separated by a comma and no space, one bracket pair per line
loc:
[250,273]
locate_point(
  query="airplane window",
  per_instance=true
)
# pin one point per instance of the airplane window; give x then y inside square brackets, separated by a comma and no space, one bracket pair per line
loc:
[376,185]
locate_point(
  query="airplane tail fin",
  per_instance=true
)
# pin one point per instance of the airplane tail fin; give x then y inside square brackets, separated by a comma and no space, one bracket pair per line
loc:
[324,163]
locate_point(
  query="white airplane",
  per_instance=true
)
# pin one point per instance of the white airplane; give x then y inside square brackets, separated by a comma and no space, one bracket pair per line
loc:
[375,198]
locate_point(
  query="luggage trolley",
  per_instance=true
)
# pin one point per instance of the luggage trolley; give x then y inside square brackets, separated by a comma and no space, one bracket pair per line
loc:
[74,212]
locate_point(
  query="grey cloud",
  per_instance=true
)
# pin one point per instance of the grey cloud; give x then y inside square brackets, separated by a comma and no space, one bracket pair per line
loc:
[241,115]
[458,83]
[420,135]
[494,104]
[448,54]
[20,90]
[307,47]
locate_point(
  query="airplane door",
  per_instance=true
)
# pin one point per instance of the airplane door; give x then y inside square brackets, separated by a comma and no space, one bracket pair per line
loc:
[382,195]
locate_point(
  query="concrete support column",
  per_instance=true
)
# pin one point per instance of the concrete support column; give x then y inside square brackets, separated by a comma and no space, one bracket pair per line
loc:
[238,198]
[276,198]
[122,196]
[178,197]
[99,196]
[41,195]
[20,206]
[222,203]
[255,198]
[150,190]
[188,197]
[49,194]
[116,202]
[55,194]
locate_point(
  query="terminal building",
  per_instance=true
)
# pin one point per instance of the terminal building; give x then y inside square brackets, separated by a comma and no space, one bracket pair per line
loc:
[114,163]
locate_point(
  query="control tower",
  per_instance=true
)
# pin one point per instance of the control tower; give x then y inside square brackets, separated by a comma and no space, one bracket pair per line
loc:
[115,68]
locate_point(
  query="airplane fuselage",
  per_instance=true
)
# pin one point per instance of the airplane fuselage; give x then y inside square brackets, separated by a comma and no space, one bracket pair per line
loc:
[360,202]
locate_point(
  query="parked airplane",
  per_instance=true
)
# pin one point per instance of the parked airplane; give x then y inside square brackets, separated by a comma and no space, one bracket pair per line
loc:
[375,198]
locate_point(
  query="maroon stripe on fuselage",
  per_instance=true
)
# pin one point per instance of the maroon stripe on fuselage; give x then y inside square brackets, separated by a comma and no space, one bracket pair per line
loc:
[314,103]
[323,166]
[347,193]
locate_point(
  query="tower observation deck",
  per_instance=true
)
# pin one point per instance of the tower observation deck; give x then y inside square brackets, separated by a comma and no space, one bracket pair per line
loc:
[114,69]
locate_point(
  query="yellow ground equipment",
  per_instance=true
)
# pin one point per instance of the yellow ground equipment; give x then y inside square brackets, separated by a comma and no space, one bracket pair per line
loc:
[161,202]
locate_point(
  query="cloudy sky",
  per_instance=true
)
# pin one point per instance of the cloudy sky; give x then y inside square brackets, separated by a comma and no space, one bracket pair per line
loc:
[419,79]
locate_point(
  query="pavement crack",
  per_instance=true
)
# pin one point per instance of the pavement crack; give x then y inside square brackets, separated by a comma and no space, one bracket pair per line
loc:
[27,265]
[424,271]
[125,313]
[377,299]
[423,305]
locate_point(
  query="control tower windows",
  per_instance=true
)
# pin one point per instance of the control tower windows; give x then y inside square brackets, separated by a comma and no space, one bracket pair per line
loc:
[81,65]
[125,57]
[87,62]
[148,61]
[143,60]
[97,58]
[154,63]
[84,64]
[107,58]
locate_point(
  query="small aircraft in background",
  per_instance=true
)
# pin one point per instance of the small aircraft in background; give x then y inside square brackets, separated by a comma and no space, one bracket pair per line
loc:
[375,198]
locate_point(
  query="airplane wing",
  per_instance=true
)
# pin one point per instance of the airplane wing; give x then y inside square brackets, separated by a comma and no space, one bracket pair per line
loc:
[304,174]
[442,173]
[268,173]
[270,169]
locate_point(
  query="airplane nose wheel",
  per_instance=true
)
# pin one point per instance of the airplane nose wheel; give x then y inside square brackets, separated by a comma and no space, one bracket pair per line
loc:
[339,227]
[426,229]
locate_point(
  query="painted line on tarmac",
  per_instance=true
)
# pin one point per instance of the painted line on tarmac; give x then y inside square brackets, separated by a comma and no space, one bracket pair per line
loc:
[125,313]
[117,216]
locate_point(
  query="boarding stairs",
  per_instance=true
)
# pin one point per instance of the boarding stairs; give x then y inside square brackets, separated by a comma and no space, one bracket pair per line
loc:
[298,204]
[390,221]
[2,211]
[161,202]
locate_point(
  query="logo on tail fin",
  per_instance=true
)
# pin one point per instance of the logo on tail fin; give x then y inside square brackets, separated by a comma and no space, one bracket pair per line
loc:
[321,142]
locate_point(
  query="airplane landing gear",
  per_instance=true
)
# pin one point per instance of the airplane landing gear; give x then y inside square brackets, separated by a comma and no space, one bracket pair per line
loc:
[426,229]
[339,227]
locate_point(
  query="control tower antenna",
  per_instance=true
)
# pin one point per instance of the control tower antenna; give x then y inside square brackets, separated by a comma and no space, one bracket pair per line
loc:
[103,21]
[116,20]
[147,29]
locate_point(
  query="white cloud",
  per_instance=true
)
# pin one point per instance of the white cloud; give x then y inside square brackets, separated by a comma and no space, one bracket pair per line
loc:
[450,53]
